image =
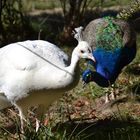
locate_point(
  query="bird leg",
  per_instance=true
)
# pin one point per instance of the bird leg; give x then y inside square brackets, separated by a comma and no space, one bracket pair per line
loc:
[37,124]
[39,115]
[113,95]
[107,99]
[110,90]
[22,117]
[22,114]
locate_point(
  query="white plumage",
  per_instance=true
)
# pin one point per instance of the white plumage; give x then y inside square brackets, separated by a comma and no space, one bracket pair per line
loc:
[37,73]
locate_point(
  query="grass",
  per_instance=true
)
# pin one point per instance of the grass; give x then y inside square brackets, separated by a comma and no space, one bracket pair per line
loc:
[41,5]
[104,130]
[52,4]
[115,3]
[124,124]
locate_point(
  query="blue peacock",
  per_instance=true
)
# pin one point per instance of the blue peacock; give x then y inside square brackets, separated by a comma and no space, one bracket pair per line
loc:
[114,46]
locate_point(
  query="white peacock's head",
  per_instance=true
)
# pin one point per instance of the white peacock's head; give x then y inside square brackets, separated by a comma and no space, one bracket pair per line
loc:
[84,51]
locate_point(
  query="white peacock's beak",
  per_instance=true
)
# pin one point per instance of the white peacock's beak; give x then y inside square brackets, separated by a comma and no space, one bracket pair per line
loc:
[91,57]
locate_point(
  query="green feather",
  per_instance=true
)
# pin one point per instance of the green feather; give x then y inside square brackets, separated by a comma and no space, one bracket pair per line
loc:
[108,36]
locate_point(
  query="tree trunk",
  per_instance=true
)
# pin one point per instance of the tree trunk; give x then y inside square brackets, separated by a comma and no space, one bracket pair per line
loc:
[73,16]
[2,33]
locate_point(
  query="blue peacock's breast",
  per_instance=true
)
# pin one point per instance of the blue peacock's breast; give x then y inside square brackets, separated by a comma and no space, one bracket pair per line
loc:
[107,61]
[110,63]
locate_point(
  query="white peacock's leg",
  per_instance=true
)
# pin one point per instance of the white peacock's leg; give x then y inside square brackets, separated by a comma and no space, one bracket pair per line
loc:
[39,115]
[37,124]
[21,115]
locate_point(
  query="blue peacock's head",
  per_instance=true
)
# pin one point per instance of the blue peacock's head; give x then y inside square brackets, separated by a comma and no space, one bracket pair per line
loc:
[87,76]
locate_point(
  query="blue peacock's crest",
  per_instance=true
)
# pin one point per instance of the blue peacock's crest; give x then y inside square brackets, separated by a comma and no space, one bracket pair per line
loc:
[108,35]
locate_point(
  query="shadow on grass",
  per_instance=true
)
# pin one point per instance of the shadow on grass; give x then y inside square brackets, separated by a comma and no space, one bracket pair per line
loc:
[134,69]
[103,130]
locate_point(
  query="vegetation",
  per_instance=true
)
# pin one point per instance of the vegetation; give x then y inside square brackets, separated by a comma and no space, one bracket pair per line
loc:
[82,114]
[12,21]
[17,22]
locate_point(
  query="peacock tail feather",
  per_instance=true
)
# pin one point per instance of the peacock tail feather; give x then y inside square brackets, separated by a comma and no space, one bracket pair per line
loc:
[127,13]
[108,35]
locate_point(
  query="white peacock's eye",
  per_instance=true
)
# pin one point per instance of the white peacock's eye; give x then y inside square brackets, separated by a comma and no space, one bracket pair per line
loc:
[82,51]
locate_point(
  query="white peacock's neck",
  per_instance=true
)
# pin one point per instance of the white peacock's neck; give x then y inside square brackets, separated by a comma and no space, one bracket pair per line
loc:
[74,64]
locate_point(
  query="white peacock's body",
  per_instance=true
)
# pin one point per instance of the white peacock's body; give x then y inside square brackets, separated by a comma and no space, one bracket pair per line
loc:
[37,73]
